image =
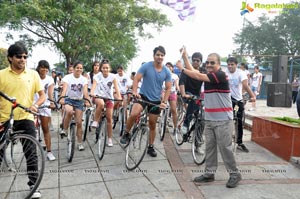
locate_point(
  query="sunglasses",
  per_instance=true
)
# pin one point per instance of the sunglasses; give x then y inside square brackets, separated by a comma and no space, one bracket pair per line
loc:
[20,56]
[196,60]
[105,61]
[210,62]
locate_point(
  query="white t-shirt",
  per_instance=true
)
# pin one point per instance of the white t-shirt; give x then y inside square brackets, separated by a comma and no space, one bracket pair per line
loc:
[255,79]
[104,86]
[75,85]
[124,82]
[174,77]
[235,83]
[46,82]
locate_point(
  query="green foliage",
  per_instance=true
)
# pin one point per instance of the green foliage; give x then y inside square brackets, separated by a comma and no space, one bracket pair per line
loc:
[3,58]
[288,119]
[84,30]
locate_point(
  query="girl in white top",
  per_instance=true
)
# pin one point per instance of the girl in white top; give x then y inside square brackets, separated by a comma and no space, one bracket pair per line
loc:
[45,113]
[75,88]
[95,71]
[103,86]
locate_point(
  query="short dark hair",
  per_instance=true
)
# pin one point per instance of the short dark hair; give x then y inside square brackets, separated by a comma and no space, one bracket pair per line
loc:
[245,65]
[169,63]
[133,73]
[16,49]
[159,48]
[120,67]
[197,55]
[43,64]
[232,59]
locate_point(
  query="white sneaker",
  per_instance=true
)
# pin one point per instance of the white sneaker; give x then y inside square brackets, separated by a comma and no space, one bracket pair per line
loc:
[63,132]
[110,142]
[36,194]
[184,130]
[50,156]
[80,147]
[94,124]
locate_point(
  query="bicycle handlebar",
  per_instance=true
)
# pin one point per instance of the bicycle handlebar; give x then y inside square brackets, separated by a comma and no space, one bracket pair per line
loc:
[15,104]
[106,98]
[71,98]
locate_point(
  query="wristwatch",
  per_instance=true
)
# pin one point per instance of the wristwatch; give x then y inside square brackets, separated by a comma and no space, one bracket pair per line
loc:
[36,106]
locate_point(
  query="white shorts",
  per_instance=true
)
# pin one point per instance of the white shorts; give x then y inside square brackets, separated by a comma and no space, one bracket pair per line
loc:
[46,112]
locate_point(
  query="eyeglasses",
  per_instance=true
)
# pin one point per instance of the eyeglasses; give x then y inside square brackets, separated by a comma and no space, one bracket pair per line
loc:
[104,61]
[210,62]
[196,60]
[20,56]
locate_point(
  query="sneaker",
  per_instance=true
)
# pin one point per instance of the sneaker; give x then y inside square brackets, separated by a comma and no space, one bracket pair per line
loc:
[242,147]
[94,124]
[110,142]
[51,127]
[233,180]
[50,156]
[36,194]
[80,147]
[125,138]
[151,151]
[183,130]
[63,133]
[203,178]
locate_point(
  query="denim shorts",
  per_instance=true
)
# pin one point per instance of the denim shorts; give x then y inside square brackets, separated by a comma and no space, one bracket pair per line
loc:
[78,104]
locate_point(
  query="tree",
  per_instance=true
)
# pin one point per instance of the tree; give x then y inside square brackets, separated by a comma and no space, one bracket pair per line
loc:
[3,58]
[279,36]
[86,29]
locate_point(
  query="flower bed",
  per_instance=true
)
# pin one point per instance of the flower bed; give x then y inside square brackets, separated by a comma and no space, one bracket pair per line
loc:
[280,137]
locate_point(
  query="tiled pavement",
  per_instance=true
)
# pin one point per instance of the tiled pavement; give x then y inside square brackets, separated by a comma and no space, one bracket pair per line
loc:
[170,174]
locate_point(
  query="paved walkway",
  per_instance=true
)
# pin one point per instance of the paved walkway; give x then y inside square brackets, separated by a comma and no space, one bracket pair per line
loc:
[170,174]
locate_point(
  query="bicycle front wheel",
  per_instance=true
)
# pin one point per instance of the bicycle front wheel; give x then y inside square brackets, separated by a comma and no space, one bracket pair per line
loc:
[71,142]
[178,135]
[86,123]
[137,147]
[24,167]
[198,145]
[163,124]
[102,134]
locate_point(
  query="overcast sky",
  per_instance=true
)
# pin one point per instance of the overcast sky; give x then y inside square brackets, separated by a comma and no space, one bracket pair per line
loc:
[210,30]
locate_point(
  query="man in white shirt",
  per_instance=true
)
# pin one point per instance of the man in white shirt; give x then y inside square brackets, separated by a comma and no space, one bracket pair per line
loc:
[237,82]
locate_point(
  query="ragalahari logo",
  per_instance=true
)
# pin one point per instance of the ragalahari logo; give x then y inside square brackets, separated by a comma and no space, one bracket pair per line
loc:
[245,8]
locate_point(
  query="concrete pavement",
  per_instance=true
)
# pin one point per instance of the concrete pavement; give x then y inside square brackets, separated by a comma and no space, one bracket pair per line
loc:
[170,174]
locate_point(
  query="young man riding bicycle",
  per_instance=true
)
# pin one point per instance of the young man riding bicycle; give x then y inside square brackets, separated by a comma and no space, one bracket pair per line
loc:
[154,73]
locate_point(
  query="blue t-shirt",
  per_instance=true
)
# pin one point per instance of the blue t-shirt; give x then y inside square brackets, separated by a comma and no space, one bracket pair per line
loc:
[153,80]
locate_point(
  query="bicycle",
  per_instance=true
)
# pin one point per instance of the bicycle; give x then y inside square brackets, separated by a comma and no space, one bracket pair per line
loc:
[137,146]
[71,135]
[120,116]
[194,134]
[100,133]
[19,152]
[162,126]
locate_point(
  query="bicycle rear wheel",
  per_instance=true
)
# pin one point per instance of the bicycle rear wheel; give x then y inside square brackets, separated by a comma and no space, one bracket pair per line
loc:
[102,134]
[71,142]
[198,145]
[122,119]
[163,124]
[86,123]
[137,147]
[178,135]
[24,168]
